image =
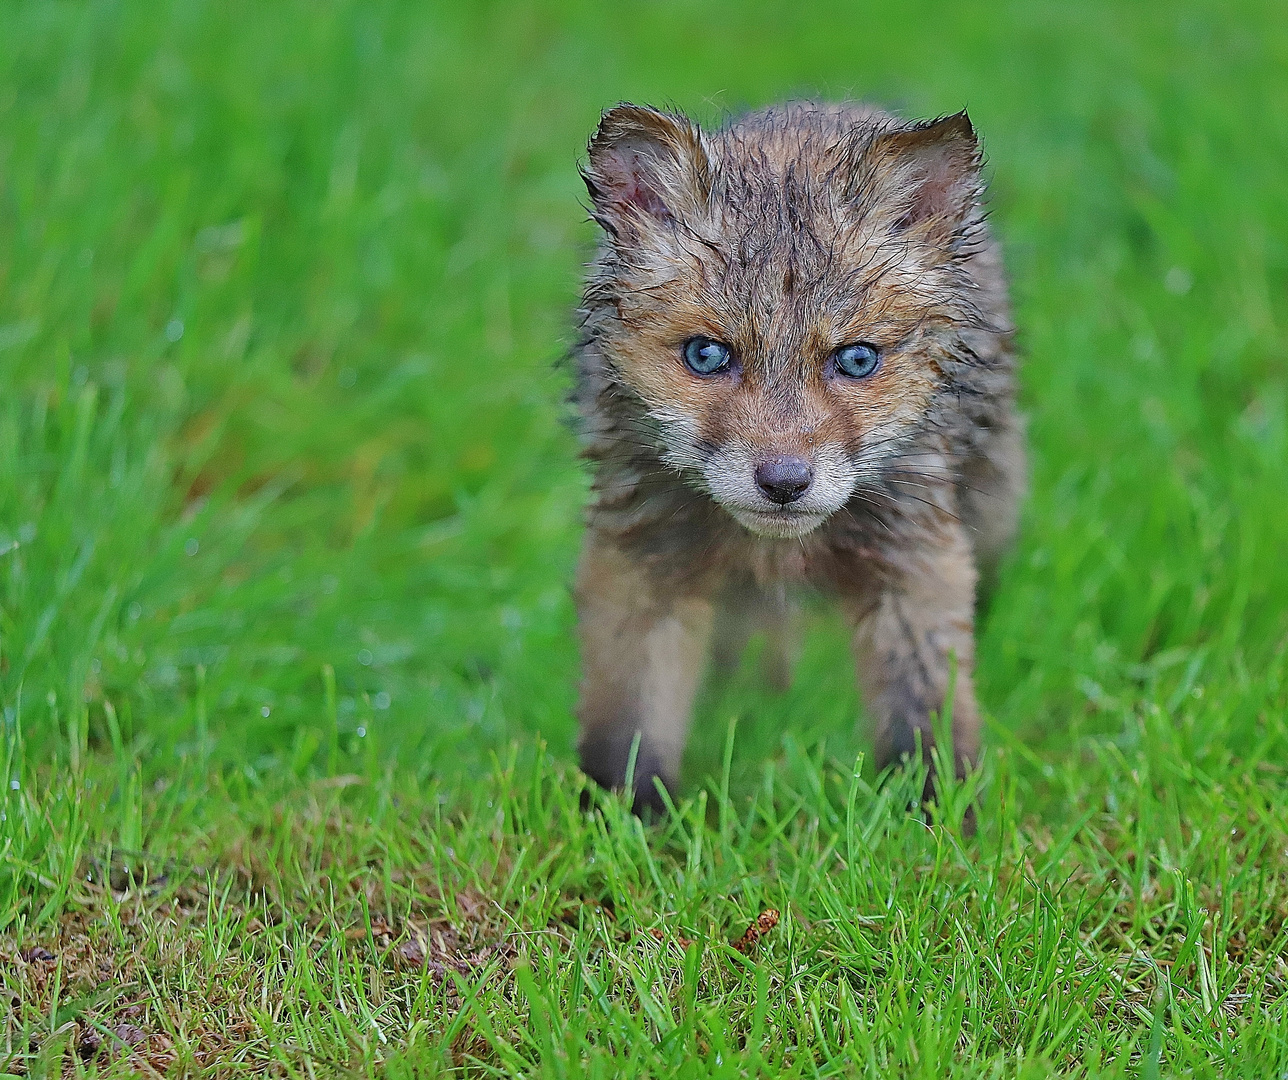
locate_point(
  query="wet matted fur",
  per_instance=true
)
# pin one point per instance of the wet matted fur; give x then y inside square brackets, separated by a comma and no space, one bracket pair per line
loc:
[782,237]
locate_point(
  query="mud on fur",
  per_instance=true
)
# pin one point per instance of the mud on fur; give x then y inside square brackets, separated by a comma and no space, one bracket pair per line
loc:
[795,371]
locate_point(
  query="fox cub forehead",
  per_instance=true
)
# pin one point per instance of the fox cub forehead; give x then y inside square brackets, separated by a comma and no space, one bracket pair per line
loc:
[829,208]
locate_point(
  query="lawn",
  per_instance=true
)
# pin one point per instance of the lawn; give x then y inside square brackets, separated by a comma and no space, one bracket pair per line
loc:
[289,509]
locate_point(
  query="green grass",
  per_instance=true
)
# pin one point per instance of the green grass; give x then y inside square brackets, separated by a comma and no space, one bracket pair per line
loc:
[288,513]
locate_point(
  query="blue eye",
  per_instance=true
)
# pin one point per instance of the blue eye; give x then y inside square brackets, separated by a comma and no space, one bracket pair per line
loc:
[703,356]
[857,361]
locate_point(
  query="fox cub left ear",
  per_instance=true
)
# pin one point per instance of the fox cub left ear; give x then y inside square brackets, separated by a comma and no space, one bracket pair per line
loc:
[646,168]
[928,174]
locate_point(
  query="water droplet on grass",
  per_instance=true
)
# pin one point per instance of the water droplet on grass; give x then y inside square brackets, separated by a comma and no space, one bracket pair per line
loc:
[1178,281]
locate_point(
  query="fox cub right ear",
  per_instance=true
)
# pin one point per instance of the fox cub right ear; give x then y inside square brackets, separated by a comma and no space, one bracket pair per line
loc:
[928,174]
[646,168]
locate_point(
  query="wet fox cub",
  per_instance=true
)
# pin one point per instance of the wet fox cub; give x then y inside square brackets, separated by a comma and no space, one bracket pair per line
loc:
[795,369]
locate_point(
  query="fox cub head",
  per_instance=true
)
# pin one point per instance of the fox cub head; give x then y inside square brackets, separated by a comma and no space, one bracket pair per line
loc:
[787,300]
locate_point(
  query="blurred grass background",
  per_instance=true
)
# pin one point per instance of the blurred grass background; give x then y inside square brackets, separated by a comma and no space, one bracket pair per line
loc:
[283,294]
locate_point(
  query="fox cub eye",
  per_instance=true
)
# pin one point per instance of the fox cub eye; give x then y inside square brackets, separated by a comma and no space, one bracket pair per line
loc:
[703,356]
[856,361]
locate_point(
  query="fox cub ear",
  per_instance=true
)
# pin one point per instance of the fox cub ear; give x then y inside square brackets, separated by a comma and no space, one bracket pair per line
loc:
[646,168]
[928,174]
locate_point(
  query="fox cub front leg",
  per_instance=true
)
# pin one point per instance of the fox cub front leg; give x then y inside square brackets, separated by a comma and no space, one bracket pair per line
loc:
[906,641]
[643,645]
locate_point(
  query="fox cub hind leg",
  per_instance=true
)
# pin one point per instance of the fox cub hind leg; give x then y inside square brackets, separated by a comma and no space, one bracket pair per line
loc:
[989,493]
[743,611]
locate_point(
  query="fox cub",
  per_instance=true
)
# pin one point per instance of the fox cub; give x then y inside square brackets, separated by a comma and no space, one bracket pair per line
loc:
[795,370]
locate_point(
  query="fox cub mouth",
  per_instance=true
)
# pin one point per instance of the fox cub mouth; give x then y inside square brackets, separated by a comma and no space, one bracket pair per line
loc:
[779,524]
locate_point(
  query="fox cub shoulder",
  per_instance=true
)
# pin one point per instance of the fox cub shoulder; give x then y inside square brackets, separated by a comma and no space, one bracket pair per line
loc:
[795,368]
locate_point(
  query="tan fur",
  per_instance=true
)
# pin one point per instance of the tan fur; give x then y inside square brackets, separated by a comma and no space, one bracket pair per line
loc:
[787,234]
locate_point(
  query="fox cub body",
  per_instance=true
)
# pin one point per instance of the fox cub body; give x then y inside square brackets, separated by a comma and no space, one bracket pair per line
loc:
[795,370]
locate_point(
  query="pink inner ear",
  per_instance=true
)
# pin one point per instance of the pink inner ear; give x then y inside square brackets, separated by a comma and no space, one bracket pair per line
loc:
[637,192]
[935,169]
[937,195]
[630,185]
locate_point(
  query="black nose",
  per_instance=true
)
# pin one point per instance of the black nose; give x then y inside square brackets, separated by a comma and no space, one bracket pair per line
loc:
[784,479]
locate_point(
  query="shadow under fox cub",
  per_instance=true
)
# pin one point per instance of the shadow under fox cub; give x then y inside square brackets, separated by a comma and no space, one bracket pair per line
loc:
[795,369]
